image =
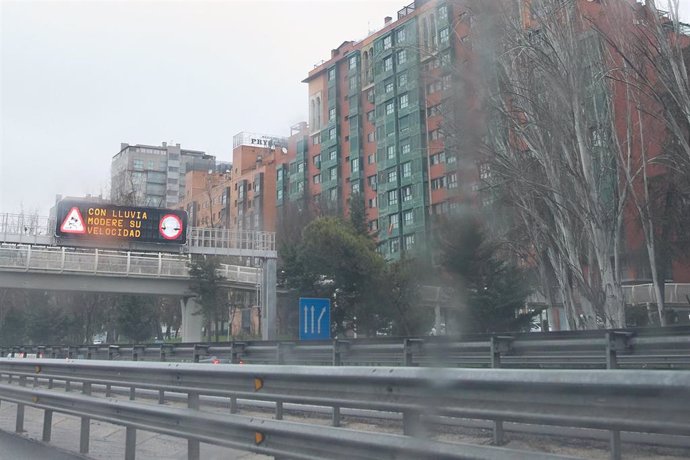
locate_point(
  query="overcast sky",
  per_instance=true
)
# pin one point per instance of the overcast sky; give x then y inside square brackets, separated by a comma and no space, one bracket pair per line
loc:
[79,77]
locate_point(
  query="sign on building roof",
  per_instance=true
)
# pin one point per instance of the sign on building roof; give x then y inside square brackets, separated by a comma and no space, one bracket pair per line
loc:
[98,222]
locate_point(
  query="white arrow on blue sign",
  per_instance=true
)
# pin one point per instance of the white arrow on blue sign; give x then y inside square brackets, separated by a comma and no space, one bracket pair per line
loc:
[314,319]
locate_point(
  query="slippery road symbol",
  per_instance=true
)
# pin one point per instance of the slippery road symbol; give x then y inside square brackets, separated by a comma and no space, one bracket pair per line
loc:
[73,223]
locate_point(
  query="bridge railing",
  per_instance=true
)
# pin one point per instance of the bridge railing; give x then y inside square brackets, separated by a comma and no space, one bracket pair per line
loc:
[222,238]
[645,402]
[110,263]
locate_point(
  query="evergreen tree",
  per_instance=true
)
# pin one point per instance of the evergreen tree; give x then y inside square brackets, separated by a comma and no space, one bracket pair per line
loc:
[492,289]
[206,284]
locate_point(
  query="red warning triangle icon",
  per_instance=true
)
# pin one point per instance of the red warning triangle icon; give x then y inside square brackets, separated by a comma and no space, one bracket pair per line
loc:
[73,223]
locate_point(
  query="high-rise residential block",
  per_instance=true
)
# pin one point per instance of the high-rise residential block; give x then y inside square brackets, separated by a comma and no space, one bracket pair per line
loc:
[148,175]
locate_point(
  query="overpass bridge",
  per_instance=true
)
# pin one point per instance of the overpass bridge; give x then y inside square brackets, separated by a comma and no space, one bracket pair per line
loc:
[32,257]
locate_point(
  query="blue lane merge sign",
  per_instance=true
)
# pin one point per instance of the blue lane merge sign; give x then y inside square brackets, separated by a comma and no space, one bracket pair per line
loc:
[314,319]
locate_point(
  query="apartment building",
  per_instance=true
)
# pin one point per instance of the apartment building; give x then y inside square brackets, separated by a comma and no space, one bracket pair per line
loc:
[149,175]
[374,125]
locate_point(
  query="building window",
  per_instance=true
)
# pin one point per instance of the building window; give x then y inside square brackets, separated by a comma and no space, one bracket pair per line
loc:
[437,158]
[404,124]
[371,137]
[370,95]
[353,62]
[404,101]
[316,139]
[387,42]
[331,73]
[402,56]
[370,116]
[373,225]
[300,167]
[445,58]
[402,80]
[317,161]
[371,180]
[333,194]
[393,222]
[392,176]
[332,155]
[394,245]
[452,180]
[151,164]
[388,64]
[354,165]
[484,171]
[407,169]
[333,173]
[138,164]
[353,82]
[400,35]
[331,114]
[390,152]
[317,178]
[406,193]
[443,36]
[280,194]
[331,133]
[445,81]
[438,183]
[451,159]
[392,198]
[408,217]
[388,86]
[405,149]
[409,242]
[435,135]
[371,159]
[390,108]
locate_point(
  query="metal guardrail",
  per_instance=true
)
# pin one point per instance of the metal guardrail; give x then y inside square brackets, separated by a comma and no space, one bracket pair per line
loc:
[659,348]
[110,263]
[459,393]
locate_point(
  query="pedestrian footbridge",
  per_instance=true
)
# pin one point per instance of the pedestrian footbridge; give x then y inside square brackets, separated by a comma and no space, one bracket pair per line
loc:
[32,257]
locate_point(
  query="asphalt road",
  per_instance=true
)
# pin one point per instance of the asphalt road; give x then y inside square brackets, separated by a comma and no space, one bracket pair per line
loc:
[14,447]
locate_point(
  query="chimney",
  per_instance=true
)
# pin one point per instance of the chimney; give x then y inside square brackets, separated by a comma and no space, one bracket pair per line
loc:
[387,20]
[165,144]
[334,53]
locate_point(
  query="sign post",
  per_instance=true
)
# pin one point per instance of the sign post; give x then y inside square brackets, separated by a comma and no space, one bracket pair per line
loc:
[314,319]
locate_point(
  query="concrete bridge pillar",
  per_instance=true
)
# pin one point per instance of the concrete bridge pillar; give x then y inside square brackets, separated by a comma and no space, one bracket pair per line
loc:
[191,323]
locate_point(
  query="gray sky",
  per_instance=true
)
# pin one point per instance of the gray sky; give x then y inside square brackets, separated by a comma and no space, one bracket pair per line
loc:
[79,77]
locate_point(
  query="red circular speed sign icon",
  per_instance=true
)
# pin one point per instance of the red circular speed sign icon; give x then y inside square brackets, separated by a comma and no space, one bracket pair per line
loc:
[170,227]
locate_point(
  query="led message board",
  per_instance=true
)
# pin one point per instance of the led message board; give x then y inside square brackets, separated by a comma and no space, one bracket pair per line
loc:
[97,221]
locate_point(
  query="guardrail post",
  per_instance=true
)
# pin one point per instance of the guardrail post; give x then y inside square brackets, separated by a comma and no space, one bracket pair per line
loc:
[166,350]
[412,424]
[47,425]
[410,347]
[281,350]
[19,425]
[236,352]
[193,452]
[499,344]
[340,347]
[130,443]
[615,341]
[85,424]
[199,350]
